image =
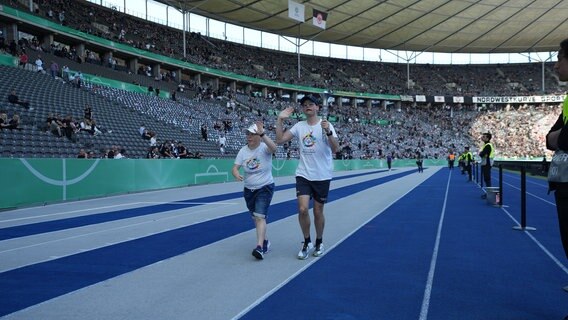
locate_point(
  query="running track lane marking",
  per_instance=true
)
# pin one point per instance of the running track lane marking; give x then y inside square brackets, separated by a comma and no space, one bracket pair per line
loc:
[428,290]
[540,245]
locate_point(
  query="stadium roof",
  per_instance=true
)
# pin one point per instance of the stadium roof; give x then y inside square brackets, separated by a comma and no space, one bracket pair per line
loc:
[452,26]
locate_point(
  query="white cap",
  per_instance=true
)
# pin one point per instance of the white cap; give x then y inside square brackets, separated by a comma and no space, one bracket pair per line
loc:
[252,128]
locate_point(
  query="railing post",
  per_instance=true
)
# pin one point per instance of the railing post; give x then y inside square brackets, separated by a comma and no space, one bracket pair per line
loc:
[523,225]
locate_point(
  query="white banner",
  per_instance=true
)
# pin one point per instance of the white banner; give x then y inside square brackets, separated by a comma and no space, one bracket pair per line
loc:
[458,99]
[420,98]
[406,98]
[296,11]
[439,99]
[520,99]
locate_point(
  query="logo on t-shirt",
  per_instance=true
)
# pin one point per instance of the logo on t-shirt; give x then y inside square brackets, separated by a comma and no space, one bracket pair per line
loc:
[252,164]
[309,140]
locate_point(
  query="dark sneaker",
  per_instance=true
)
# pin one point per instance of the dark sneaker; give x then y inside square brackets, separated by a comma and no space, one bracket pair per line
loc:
[257,253]
[319,250]
[265,246]
[305,252]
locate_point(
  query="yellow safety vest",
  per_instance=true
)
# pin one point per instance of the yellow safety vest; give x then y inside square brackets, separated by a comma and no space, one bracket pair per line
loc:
[491,154]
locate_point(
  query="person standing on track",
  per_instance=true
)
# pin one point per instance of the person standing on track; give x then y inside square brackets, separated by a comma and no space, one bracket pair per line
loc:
[419,162]
[557,139]
[468,161]
[256,160]
[486,154]
[317,141]
[451,160]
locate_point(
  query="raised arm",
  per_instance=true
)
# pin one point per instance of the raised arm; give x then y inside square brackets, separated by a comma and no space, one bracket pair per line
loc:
[264,137]
[281,136]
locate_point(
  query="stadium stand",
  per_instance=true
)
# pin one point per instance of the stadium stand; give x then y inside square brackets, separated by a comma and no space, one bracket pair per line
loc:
[399,129]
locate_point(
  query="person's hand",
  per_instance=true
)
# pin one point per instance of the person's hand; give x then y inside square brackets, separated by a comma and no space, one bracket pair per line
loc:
[259,127]
[238,177]
[286,113]
[552,139]
[325,125]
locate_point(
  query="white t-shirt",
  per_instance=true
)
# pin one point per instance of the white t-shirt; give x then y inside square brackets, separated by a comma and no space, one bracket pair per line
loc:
[257,166]
[315,151]
[39,64]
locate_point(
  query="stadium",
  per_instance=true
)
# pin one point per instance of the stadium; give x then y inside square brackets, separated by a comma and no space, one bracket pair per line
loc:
[162,233]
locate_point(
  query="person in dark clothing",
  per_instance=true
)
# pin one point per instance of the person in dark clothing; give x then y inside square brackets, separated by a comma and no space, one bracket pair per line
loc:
[13,98]
[451,160]
[204,132]
[557,139]
[486,154]
[467,161]
[88,112]
[419,162]
[544,165]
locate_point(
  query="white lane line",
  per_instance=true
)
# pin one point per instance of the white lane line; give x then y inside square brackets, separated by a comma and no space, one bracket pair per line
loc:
[531,194]
[430,281]
[180,215]
[188,202]
[73,211]
[518,177]
[540,245]
[119,205]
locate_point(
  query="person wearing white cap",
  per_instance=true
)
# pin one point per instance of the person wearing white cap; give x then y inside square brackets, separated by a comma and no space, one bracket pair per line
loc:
[256,160]
[317,140]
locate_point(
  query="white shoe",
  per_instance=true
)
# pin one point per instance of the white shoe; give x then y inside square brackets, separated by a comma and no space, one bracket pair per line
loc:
[305,251]
[319,250]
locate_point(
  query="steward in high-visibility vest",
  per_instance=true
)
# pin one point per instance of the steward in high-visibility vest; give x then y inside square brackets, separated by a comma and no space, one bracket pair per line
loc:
[468,160]
[557,141]
[461,162]
[487,153]
[451,160]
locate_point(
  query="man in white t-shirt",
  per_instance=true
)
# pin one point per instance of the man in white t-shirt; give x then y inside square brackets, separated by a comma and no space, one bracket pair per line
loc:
[222,143]
[317,141]
[256,160]
[39,64]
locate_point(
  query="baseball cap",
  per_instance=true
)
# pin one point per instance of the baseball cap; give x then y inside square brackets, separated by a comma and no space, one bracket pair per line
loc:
[252,128]
[310,97]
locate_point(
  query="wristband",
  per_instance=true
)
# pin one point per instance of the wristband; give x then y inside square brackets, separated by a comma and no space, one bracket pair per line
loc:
[330,133]
[261,135]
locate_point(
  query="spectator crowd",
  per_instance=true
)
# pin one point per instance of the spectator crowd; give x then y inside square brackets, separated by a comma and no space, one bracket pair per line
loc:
[399,130]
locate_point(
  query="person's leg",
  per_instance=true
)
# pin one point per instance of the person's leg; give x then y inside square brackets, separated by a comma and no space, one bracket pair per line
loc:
[561,197]
[251,199]
[487,176]
[260,224]
[262,204]
[319,219]
[321,191]
[304,219]
[304,215]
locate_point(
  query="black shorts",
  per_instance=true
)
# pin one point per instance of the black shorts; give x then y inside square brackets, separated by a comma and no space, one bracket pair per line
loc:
[318,190]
